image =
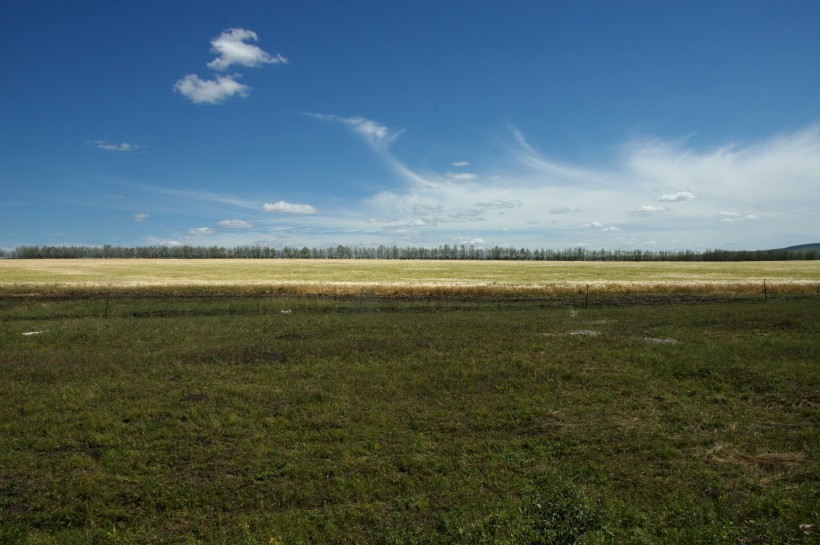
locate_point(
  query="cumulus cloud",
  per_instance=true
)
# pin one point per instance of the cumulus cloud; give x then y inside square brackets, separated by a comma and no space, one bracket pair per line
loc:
[236,224]
[140,217]
[679,196]
[211,91]
[233,48]
[103,145]
[200,231]
[282,207]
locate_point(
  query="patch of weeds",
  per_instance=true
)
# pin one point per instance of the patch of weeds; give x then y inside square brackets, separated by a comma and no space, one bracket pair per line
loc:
[561,513]
[12,532]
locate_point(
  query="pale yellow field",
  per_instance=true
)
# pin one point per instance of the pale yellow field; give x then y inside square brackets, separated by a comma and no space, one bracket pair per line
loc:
[404,277]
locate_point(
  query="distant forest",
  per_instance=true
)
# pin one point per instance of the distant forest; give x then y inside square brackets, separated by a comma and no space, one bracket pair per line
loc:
[456,252]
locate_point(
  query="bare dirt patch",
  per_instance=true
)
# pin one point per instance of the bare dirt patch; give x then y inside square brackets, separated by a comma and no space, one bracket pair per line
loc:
[655,340]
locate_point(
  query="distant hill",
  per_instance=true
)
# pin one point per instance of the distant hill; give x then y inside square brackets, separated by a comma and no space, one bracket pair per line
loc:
[803,247]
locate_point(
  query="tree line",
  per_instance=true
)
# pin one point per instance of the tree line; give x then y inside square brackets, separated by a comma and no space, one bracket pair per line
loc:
[446,251]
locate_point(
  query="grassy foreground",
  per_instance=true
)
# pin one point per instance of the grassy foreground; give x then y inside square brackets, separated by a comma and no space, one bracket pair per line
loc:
[419,422]
[397,277]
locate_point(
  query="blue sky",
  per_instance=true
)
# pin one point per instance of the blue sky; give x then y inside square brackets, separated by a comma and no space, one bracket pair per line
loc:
[540,124]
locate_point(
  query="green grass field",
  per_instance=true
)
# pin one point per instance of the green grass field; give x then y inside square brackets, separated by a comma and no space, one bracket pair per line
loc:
[342,421]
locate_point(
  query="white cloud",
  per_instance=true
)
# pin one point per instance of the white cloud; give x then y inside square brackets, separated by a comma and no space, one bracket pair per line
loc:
[461,176]
[779,170]
[600,226]
[377,136]
[210,91]
[554,173]
[103,145]
[740,177]
[140,217]
[236,224]
[460,164]
[200,231]
[679,196]
[733,217]
[233,48]
[648,210]
[511,201]
[495,205]
[282,207]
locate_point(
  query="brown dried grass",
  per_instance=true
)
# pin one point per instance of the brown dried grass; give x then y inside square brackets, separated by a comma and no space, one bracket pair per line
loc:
[407,278]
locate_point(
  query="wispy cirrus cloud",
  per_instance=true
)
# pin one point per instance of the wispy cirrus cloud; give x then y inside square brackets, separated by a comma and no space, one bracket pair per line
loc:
[461,176]
[282,207]
[499,205]
[732,217]
[555,173]
[426,205]
[142,216]
[236,224]
[107,146]
[189,197]
[668,194]
[379,137]
[733,172]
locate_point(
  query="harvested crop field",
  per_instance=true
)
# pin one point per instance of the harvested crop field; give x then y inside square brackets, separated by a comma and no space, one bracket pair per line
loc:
[396,277]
